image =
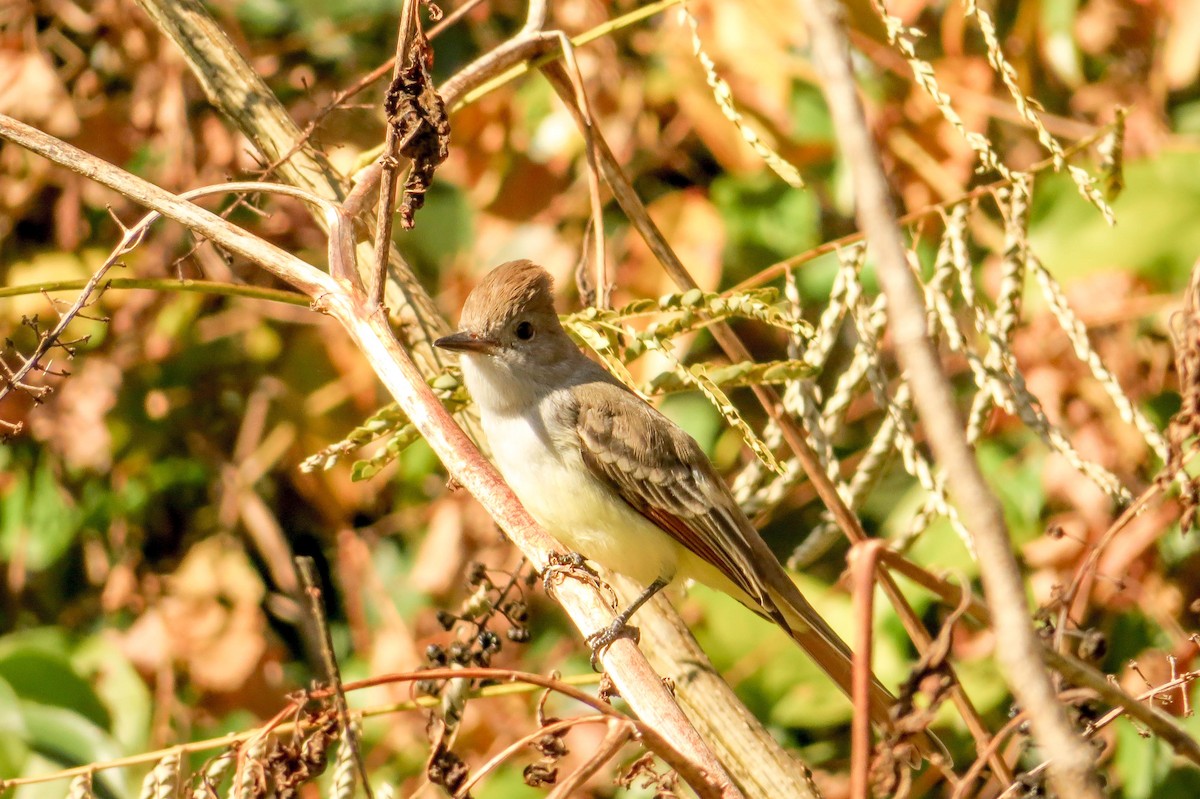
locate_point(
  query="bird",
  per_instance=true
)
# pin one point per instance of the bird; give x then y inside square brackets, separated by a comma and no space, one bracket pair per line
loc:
[613,479]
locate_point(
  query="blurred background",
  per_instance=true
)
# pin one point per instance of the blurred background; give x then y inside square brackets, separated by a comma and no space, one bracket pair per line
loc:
[150,509]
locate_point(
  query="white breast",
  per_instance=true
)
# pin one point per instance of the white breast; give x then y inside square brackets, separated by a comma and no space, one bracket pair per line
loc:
[586,516]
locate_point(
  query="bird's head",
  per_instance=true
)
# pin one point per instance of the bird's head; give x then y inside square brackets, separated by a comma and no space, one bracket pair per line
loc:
[509,328]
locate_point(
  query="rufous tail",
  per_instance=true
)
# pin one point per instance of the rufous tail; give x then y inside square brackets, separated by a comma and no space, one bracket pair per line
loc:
[831,653]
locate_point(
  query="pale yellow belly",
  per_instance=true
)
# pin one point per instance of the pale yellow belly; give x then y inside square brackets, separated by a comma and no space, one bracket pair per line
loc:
[574,507]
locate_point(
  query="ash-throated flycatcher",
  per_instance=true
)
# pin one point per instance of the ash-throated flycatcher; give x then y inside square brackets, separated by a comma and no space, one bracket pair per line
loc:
[612,478]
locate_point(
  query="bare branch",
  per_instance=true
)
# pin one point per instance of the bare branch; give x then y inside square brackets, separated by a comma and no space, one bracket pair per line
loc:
[671,735]
[310,580]
[618,735]
[728,340]
[1072,769]
[389,162]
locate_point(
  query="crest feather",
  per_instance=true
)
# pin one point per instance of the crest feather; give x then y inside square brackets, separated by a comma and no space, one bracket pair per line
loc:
[515,287]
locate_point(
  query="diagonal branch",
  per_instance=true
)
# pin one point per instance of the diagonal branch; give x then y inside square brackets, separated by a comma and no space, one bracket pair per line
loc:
[238,92]
[793,435]
[1072,768]
[674,739]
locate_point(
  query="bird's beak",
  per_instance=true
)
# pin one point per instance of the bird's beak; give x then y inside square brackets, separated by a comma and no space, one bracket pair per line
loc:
[467,342]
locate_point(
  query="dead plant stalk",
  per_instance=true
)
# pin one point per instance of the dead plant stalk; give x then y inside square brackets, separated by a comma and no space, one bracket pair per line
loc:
[1072,771]
[673,738]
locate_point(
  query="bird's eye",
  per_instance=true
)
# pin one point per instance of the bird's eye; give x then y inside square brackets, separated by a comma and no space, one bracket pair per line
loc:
[525,331]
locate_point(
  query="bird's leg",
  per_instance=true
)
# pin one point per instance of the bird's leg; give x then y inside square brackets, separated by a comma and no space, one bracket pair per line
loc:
[599,641]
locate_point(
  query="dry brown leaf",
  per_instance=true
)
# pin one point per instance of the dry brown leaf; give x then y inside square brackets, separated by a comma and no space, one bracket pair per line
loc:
[438,567]
[1181,48]
[31,91]
[73,422]
[209,622]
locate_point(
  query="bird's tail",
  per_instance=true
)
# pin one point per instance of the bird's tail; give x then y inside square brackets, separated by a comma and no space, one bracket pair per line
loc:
[829,651]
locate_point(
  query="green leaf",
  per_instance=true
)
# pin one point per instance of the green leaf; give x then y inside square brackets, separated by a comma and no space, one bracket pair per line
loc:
[13,732]
[47,677]
[70,740]
[121,689]
[37,522]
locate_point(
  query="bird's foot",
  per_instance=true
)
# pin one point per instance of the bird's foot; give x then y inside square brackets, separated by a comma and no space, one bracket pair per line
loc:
[602,639]
[559,567]
[569,562]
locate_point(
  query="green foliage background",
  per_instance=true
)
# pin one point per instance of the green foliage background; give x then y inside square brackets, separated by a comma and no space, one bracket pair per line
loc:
[144,456]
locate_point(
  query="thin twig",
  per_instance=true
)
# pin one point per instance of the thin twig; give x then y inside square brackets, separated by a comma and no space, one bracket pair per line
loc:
[241,93]
[130,238]
[1158,722]
[1179,683]
[972,773]
[865,561]
[672,737]
[619,733]
[333,675]
[603,289]
[1088,566]
[1072,770]
[215,287]
[562,725]
[14,379]
[389,161]
[535,16]
[598,32]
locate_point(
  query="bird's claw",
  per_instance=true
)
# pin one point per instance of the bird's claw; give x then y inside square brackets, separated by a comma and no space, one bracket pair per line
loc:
[602,639]
[569,562]
[572,564]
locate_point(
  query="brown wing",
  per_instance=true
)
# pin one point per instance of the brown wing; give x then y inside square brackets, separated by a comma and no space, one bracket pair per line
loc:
[662,473]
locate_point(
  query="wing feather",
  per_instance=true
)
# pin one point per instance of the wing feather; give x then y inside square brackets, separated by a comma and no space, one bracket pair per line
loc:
[662,473]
